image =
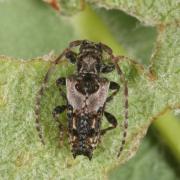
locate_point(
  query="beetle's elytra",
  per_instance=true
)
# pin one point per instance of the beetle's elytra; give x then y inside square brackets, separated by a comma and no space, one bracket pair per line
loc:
[87,93]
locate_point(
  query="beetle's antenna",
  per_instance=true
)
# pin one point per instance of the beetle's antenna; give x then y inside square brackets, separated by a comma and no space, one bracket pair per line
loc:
[115,60]
[44,84]
[41,93]
[119,71]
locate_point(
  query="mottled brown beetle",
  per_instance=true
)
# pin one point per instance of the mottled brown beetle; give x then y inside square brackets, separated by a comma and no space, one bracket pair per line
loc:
[86,96]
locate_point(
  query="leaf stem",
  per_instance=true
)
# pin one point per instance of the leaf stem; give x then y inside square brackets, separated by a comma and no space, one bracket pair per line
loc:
[88,25]
[169,129]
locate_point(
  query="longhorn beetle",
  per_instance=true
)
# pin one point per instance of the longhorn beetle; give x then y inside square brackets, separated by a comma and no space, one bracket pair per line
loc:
[86,96]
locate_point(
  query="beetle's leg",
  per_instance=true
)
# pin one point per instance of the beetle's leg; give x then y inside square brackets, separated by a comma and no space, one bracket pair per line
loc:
[115,60]
[56,112]
[60,109]
[112,120]
[61,82]
[75,43]
[107,68]
[71,56]
[43,87]
[106,48]
[115,87]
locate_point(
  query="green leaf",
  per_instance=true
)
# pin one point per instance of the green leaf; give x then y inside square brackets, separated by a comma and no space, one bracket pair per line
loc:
[149,12]
[23,152]
[152,161]
[168,127]
[30,29]
[22,155]
[137,38]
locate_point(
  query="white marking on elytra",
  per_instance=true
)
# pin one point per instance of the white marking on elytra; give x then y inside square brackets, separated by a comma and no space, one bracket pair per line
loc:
[93,124]
[74,123]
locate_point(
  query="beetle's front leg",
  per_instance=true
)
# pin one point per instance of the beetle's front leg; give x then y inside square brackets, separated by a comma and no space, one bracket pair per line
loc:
[107,68]
[56,112]
[71,56]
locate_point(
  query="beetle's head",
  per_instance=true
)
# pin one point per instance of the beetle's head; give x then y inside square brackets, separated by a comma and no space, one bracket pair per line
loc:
[90,57]
[89,46]
[84,135]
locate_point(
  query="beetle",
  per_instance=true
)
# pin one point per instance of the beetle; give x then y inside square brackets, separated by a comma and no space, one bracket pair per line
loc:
[86,96]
